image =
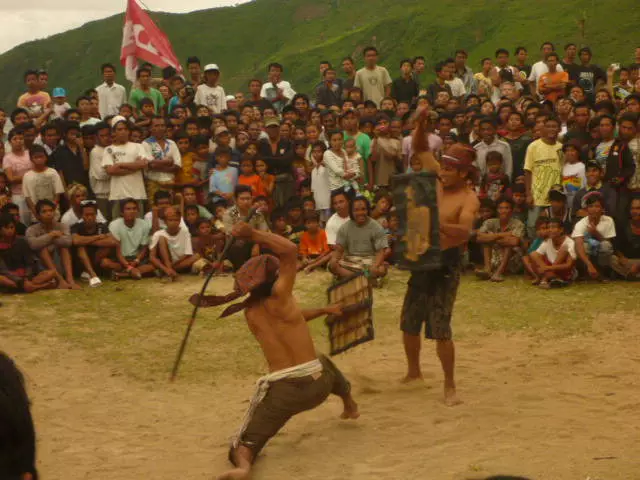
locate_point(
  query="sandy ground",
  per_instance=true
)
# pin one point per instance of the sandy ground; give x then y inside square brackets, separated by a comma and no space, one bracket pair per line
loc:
[565,408]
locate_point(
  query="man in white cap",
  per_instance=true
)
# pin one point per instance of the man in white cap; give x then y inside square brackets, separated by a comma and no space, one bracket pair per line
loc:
[210,94]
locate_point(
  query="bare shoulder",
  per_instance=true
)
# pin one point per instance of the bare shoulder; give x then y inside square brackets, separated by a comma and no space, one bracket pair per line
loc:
[471,200]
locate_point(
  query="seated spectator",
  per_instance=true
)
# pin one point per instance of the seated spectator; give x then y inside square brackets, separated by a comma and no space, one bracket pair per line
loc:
[554,261]
[191,217]
[279,224]
[77,194]
[594,236]
[594,184]
[51,240]
[494,182]
[501,239]
[295,219]
[542,233]
[13,210]
[309,205]
[242,250]
[382,207]
[626,261]
[486,211]
[18,268]
[42,182]
[340,204]
[132,250]
[208,243]
[361,244]
[314,250]
[93,241]
[171,250]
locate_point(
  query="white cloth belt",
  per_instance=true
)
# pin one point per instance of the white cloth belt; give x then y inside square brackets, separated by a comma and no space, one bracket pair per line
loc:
[262,387]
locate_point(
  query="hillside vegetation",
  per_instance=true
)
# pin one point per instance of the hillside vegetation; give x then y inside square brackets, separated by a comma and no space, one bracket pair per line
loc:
[300,33]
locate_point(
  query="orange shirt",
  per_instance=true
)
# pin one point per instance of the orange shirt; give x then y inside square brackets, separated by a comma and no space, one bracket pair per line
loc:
[551,80]
[313,245]
[253,181]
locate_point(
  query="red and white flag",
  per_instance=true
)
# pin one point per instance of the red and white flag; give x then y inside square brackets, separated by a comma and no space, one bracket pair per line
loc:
[141,38]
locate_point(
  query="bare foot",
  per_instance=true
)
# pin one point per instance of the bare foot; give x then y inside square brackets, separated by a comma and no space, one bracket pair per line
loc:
[74,286]
[235,474]
[412,378]
[451,398]
[63,285]
[350,409]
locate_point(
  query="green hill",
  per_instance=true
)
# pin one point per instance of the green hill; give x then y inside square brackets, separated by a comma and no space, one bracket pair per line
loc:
[300,33]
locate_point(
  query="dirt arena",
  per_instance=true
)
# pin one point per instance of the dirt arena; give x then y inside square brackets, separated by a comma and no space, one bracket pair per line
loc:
[542,400]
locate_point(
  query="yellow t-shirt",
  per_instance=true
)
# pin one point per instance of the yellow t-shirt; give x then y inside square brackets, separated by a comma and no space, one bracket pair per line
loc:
[545,164]
[185,174]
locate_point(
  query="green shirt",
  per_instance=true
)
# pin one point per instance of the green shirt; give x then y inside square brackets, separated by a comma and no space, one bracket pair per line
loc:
[131,239]
[363,145]
[137,95]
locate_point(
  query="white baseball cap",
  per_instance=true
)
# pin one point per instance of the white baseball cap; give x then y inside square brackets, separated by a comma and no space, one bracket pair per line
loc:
[230,98]
[210,67]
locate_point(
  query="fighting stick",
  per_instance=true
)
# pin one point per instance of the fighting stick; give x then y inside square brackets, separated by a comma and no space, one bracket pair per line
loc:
[192,320]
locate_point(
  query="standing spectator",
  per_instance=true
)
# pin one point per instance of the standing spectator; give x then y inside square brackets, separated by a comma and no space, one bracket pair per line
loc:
[110,94]
[502,72]
[419,64]
[276,90]
[490,143]
[60,105]
[552,84]
[71,159]
[386,153]
[224,178]
[145,90]
[34,100]
[458,89]
[124,162]
[42,182]
[569,60]
[373,79]
[329,93]
[210,93]
[15,164]
[440,84]
[255,100]
[348,67]
[464,72]
[540,68]
[350,123]
[589,77]
[405,88]
[628,133]
[594,175]
[278,154]
[594,236]
[52,241]
[524,69]
[98,178]
[542,170]
[518,138]
[341,173]
[320,181]
[194,68]
[165,159]
[483,81]
[573,171]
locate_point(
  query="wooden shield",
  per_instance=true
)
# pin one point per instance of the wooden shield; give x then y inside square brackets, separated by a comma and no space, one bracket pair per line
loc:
[355,325]
[415,198]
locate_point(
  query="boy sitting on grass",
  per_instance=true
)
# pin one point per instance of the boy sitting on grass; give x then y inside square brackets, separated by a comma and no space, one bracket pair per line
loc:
[555,259]
[171,250]
[542,233]
[314,250]
[208,244]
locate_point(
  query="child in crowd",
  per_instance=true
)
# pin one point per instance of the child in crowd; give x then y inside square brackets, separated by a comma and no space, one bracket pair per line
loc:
[300,173]
[383,205]
[558,207]
[554,260]
[295,219]
[200,153]
[279,223]
[219,209]
[208,243]
[392,231]
[42,182]
[486,211]
[305,188]
[147,112]
[268,180]
[314,250]
[573,171]
[60,105]
[354,158]
[171,250]
[185,176]
[191,217]
[495,182]
[341,173]
[519,197]
[594,176]
[320,181]
[308,205]
[249,177]
[542,233]
[415,164]
[224,177]
[190,197]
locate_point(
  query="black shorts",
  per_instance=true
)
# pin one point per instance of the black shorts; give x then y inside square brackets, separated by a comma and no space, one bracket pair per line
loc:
[429,299]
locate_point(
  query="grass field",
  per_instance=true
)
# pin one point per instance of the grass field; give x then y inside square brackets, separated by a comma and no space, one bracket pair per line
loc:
[540,371]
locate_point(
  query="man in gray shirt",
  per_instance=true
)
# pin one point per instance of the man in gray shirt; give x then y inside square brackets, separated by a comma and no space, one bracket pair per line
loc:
[50,237]
[361,244]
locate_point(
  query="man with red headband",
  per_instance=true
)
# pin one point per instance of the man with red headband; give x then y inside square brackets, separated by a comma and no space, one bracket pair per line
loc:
[431,295]
[299,379]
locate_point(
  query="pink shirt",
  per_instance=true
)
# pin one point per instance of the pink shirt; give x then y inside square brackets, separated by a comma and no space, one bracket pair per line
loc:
[19,165]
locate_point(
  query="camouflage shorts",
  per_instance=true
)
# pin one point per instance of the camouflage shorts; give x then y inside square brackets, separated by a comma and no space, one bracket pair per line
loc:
[429,299]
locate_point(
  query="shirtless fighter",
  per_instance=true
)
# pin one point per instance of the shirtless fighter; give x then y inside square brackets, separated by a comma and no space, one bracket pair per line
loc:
[430,295]
[299,379]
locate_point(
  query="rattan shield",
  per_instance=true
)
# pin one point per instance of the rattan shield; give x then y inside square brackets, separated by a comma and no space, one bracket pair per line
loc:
[355,325]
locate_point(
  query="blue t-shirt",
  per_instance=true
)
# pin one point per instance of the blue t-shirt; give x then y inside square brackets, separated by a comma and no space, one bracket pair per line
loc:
[223,181]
